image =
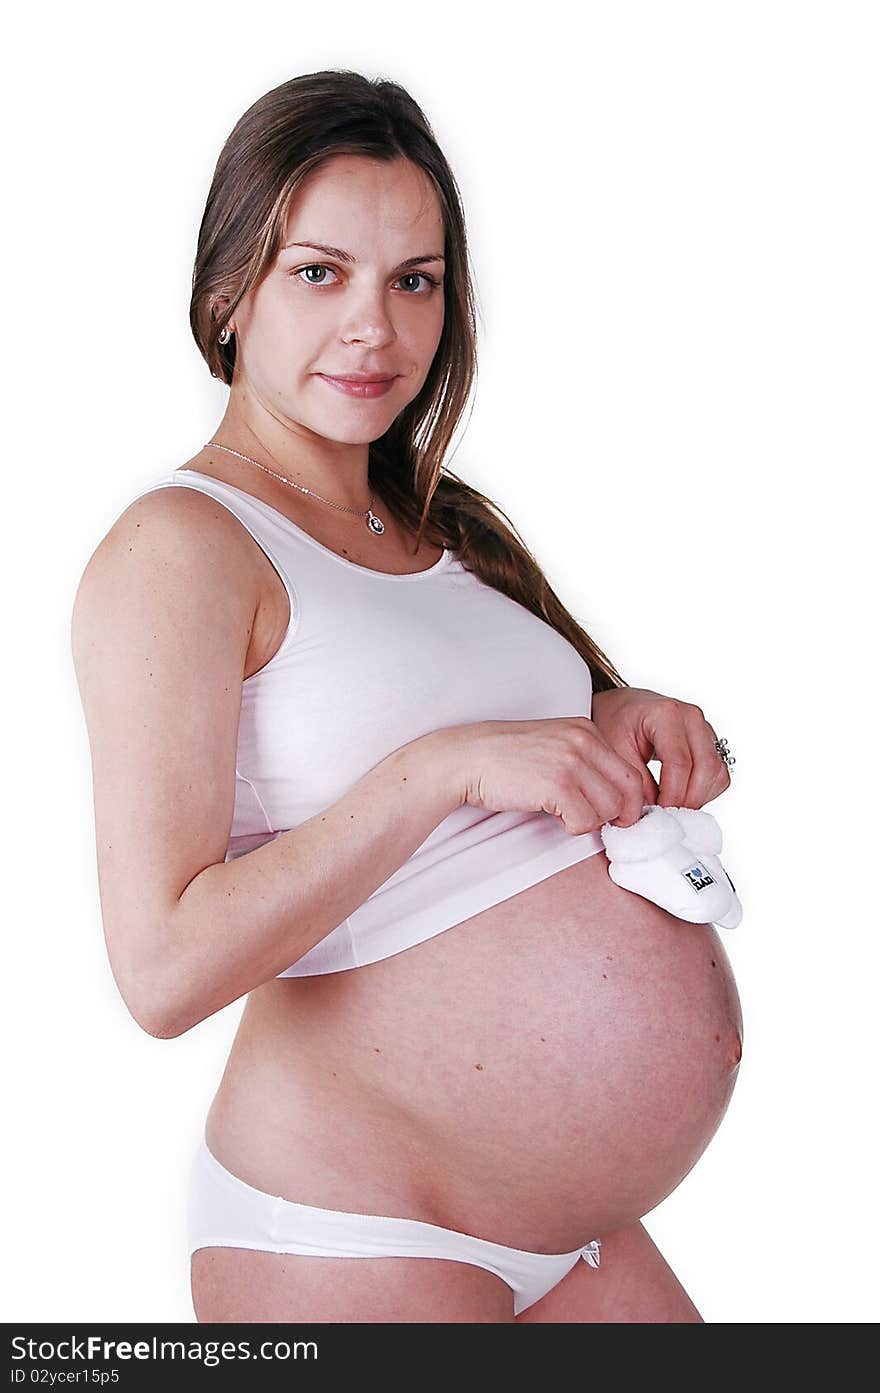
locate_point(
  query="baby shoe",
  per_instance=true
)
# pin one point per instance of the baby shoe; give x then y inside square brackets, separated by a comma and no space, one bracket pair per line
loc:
[670,856]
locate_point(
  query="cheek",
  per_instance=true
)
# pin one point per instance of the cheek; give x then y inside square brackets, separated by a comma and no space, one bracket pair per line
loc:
[288,337]
[422,334]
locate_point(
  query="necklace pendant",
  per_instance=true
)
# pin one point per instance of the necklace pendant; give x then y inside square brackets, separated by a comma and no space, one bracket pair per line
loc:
[375,524]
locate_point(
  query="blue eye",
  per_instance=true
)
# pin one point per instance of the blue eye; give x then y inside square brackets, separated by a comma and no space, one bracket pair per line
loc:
[409,275]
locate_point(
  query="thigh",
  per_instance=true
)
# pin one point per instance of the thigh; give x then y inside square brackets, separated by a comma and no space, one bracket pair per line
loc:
[246,1284]
[633,1283]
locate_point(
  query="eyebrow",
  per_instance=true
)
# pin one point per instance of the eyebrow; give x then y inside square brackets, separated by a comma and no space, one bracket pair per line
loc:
[347,256]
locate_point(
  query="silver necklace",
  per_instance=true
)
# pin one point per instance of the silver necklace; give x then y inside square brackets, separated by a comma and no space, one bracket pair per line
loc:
[374,523]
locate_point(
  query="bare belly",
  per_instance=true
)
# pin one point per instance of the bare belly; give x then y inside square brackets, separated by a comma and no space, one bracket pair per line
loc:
[542,1073]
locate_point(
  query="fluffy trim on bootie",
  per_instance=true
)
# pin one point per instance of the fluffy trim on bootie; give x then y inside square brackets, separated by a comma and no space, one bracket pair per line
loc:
[701,829]
[670,856]
[655,832]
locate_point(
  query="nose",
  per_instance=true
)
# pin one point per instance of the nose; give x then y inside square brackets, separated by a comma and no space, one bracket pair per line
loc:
[369,320]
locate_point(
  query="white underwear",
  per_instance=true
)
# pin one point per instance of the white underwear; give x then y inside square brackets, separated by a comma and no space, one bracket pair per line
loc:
[224,1211]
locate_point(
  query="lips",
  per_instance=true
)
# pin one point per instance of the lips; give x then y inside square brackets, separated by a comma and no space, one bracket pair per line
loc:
[359,376]
[365,386]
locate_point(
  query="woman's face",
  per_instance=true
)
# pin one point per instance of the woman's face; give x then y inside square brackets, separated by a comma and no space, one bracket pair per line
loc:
[322,312]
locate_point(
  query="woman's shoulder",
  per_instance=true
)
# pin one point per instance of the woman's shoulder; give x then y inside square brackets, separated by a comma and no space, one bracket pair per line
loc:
[166,530]
[185,501]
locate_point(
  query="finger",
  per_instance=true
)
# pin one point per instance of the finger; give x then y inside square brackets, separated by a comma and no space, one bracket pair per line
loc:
[661,734]
[576,819]
[626,747]
[709,773]
[702,788]
[650,789]
[603,791]
[677,763]
[631,755]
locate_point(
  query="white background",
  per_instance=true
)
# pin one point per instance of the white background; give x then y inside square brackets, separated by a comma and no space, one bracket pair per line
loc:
[673,213]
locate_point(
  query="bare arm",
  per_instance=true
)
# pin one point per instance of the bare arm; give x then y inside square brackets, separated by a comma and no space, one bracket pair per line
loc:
[241,923]
[160,632]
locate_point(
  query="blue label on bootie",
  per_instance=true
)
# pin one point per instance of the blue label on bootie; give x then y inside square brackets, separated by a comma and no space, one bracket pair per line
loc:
[698,877]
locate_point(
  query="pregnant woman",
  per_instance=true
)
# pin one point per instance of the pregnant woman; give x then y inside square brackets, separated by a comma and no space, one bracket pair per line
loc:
[351,756]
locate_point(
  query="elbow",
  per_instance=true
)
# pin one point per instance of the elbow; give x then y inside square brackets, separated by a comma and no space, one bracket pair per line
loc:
[160,1027]
[151,983]
[157,1020]
[149,977]
[165,1024]
[165,994]
[156,1010]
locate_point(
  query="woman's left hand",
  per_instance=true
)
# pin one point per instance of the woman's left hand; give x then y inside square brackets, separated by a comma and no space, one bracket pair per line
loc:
[641,725]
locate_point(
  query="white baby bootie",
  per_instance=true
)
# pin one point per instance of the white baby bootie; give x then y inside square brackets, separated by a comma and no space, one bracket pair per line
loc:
[670,856]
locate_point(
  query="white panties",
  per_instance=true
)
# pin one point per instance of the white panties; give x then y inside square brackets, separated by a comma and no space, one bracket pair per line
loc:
[224,1211]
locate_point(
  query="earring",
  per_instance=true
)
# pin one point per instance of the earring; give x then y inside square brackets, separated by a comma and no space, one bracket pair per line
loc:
[224,335]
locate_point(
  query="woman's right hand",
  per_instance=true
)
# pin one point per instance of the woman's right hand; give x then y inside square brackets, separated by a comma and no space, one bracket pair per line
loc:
[560,765]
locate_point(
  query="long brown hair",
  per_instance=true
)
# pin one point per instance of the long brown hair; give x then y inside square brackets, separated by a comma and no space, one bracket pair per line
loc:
[272,147]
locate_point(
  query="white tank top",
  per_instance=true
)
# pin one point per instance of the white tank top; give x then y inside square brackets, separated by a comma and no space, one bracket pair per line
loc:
[369,662]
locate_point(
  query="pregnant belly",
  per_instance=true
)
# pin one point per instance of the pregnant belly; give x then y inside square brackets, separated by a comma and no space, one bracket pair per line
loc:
[545,1071]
